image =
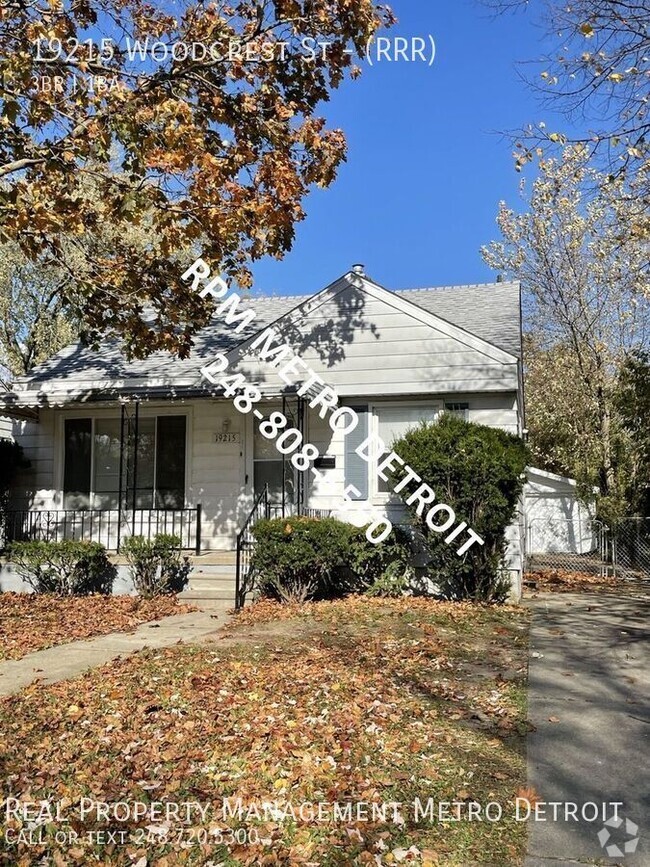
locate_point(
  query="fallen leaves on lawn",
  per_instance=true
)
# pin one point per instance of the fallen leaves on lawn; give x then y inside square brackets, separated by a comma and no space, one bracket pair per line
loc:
[32,621]
[376,707]
[368,608]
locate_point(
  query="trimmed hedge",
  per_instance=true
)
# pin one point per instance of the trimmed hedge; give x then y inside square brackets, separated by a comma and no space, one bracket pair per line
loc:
[479,472]
[157,566]
[65,568]
[302,558]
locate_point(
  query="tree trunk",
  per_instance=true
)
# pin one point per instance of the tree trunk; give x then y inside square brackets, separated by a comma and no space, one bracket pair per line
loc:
[606,469]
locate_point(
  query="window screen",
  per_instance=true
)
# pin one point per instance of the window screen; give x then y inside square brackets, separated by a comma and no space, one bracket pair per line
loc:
[394,421]
[145,468]
[106,469]
[459,409]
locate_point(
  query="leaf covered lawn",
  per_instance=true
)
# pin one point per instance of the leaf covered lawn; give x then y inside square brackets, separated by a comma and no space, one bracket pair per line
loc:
[31,621]
[356,702]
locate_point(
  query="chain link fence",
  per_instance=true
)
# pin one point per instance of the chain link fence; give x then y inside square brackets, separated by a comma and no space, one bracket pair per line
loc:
[589,547]
[568,545]
[630,548]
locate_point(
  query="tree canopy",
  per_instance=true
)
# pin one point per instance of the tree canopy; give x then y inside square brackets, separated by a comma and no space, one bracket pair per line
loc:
[33,320]
[210,135]
[580,248]
[598,75]
[633,405]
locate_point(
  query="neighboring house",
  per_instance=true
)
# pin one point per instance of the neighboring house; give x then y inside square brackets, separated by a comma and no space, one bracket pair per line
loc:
[557,520]
[121,446]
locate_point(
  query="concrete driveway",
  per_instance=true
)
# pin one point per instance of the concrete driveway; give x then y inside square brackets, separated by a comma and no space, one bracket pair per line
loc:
[589,703]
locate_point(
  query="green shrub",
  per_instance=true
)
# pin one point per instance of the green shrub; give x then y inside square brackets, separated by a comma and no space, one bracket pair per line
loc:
[157,566]
[479,472]
[396,581]
[67,568]
[301,558]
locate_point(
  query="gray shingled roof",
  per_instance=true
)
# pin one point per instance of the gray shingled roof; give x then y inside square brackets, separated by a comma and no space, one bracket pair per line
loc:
[490,311]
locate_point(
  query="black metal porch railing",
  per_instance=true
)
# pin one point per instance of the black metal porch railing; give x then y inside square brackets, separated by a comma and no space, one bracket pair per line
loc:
[275,511]
[107,526]
[244,576]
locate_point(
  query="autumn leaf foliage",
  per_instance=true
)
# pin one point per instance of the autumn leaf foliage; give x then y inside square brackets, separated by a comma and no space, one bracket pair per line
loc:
[213,147]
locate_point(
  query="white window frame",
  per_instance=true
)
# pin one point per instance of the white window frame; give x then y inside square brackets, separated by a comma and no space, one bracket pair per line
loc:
[149,412]
[374,494]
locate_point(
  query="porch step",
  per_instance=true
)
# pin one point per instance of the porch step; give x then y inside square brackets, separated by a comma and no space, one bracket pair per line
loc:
[212,578]
[213,570]
[226,599]
[211,585]
[213,558]
[198,582]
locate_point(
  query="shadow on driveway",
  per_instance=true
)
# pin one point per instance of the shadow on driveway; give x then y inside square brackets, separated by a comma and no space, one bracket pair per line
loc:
[588,701]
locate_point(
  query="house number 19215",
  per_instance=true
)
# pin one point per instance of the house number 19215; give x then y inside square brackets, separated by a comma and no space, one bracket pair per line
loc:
[227,437]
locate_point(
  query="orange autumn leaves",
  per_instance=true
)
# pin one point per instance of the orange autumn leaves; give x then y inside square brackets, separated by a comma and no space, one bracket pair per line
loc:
[216,151]
[354,701]
[30,622]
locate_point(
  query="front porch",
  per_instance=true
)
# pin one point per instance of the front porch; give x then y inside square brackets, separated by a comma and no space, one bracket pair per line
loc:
[217,576]
[190,466]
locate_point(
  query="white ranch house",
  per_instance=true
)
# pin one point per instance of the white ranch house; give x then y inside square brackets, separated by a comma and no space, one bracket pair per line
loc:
[119,447]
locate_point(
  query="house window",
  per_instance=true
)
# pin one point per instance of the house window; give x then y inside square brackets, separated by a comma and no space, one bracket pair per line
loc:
[105,463]
[78,443]
[392,422]
[91,476]
[459,409]
[169,487]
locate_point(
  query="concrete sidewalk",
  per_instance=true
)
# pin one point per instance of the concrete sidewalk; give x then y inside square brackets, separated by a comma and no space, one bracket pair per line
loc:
[589,693]
[70,660]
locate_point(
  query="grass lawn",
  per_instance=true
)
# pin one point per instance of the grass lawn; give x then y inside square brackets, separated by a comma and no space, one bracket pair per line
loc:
[353,703]
[31,621]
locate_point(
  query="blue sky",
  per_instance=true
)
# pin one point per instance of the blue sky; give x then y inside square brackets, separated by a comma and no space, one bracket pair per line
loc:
[427,165]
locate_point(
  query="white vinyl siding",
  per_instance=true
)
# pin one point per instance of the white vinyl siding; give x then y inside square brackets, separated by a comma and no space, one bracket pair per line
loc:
[6,428]
[373,348]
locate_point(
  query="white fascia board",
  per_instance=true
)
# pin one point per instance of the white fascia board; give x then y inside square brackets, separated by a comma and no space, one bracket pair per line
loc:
[553,477]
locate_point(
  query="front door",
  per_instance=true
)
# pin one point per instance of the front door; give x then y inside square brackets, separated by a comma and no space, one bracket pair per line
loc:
[270,467]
